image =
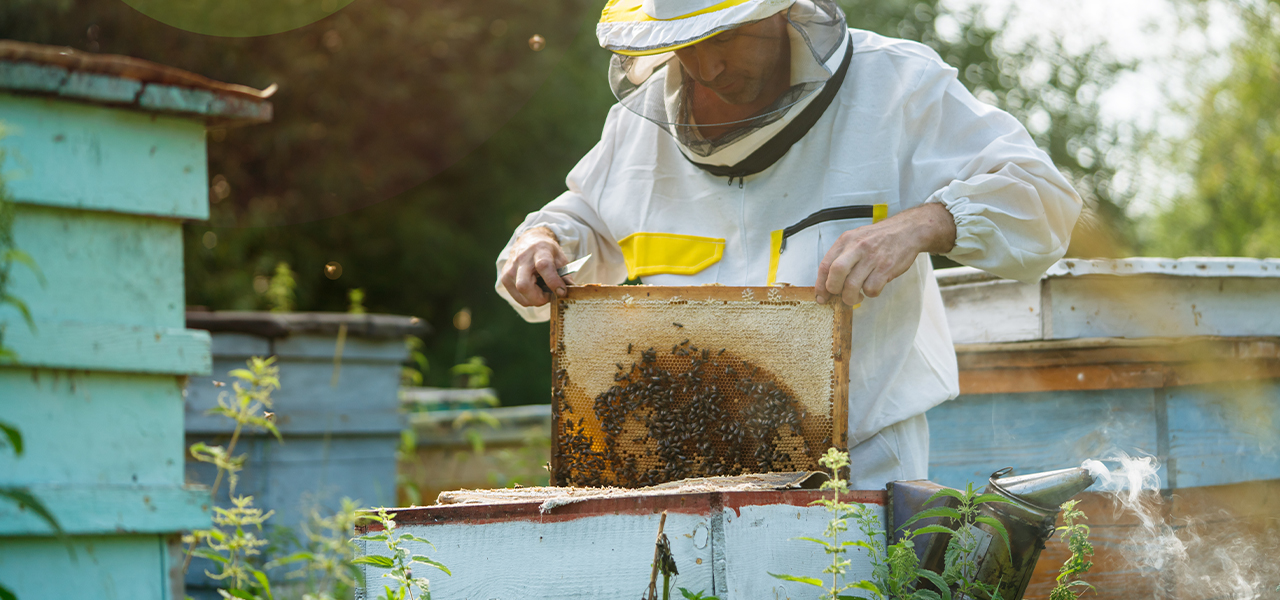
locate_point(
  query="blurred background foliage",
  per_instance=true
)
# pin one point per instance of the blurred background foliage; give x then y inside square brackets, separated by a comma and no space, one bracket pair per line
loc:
[1232,154]
[411,137]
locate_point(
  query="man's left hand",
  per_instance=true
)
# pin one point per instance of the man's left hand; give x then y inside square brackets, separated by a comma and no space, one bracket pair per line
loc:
[864,260]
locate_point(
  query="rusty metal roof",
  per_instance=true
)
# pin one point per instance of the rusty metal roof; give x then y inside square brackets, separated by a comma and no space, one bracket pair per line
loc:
[123,80]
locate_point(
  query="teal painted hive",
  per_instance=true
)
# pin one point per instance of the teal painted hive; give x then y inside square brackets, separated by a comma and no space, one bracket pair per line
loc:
[106,159]
[340,434]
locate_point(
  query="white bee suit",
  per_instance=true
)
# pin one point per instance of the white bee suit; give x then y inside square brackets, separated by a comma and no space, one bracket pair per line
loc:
[901,131]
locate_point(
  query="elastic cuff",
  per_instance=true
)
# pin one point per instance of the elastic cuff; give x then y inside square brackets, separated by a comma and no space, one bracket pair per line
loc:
[967,240]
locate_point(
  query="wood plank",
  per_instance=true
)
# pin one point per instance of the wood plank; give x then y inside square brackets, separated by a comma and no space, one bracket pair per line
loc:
[975,435]
[1162,305]
[365,401]
[107,347]
[354,348]
[103,428]
[602,547]
[761,539]
[1100,363]
[1114,350]
[89,509]
[1045,379]
[97,267]
[843,348]
[1225,434]
[588,557]
[90,157]
[308,472]
[107,567]
[993,311]
[714,292]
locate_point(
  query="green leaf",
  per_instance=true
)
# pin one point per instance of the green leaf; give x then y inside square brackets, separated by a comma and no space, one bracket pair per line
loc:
[373,537]
[937,582]
[859,544]
[262,581]
[211,555]
[14,436]
[241,594]
[996,525]
[6,594]
[24,498]
[925,595]
[867,585]
[934,529]
[809,580]
[22,308]
[814,540]
[945,492]
[18,256]
[688,595]
[423,559]
[985,498]
[292,558]
[384,562]
[411,537]
[937,511]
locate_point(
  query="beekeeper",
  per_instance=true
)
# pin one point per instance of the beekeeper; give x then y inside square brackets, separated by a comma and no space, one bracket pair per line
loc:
[763,142]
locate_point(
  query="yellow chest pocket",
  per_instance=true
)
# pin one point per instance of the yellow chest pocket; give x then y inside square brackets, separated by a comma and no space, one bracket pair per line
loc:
[669,253]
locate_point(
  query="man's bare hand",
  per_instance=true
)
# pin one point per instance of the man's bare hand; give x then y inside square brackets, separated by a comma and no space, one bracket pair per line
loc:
[536,252]
[866,259]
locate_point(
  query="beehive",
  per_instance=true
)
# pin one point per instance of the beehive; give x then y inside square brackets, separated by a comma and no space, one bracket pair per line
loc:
[654,384]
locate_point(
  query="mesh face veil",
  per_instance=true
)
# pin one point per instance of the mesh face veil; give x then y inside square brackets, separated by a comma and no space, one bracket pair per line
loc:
[648,79]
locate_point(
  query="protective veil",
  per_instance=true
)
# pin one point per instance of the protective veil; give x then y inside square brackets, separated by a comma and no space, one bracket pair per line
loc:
[648,79]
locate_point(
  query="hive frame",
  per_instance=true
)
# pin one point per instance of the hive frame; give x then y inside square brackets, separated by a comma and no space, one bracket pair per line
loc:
[841,338]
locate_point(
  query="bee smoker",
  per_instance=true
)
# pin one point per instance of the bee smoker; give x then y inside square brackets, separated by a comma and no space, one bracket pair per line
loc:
[1029,517]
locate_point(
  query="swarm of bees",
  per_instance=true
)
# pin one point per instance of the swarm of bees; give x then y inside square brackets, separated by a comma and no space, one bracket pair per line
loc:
[693,412]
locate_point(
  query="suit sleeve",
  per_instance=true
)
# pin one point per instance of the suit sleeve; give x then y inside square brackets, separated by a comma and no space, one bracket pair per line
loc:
[575,220]
[1014,210]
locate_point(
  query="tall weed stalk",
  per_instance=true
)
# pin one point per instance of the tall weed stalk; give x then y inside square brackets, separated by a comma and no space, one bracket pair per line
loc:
[234,542]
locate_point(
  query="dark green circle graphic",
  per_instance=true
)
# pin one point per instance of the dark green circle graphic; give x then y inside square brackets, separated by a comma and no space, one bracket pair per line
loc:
[238,18]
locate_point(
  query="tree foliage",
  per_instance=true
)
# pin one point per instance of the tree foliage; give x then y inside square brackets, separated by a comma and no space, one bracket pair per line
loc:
[1232,207]
[1052,90]
[410,138]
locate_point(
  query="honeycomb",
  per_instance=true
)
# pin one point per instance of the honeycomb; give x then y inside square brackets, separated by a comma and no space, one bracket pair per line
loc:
[657,384]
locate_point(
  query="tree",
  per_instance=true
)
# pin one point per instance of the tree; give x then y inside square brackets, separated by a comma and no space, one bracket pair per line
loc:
[1232,207]
[1046,87]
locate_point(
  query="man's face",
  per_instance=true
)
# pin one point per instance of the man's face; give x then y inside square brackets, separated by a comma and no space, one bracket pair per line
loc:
[744,64]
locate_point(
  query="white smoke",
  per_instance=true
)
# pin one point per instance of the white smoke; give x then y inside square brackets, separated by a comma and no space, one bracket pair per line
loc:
[1208,557]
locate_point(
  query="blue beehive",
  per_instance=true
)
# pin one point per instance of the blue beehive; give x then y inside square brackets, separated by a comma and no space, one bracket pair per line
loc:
[1175,359]
[106,160]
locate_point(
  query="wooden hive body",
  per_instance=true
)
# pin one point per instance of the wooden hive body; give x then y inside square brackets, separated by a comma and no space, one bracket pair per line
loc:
[654,384]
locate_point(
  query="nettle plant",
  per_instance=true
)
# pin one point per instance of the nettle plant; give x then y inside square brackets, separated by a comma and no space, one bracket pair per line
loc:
[400,561]
[1077,538]
[234,542]
[960,560]
[896,572]
[896,569]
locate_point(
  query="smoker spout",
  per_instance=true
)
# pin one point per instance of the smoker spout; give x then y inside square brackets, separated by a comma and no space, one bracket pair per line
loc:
[1045,491]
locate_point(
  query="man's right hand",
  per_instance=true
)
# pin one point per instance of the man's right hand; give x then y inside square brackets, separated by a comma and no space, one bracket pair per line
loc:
[535,252]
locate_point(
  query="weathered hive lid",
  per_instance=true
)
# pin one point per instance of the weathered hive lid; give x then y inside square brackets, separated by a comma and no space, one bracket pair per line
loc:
[126,81]
[278,325]
[1175,267]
